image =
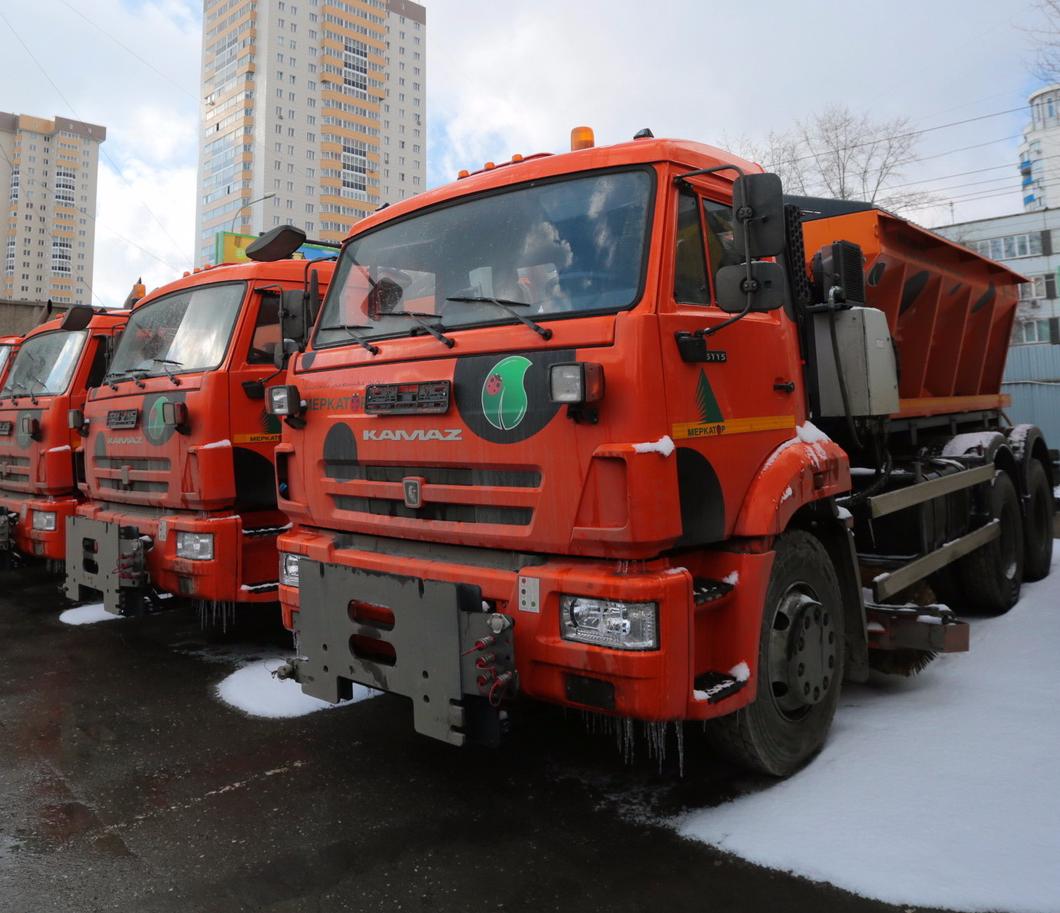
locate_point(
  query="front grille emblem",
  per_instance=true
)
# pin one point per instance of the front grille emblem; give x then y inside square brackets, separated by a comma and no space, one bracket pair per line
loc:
[412,486]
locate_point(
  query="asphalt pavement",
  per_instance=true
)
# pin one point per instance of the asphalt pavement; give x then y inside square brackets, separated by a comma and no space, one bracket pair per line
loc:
[127,785]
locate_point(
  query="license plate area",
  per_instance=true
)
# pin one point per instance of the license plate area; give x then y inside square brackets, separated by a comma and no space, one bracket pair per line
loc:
[405,635]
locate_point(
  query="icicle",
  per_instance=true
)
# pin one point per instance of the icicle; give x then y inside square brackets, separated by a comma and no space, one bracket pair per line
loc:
[680,727]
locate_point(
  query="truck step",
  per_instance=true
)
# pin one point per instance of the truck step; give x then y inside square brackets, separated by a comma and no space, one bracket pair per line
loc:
[705,589]
[716,686]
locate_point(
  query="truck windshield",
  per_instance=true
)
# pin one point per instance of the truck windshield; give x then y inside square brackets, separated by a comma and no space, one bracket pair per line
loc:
[45,364]
[549,249]
[185,331]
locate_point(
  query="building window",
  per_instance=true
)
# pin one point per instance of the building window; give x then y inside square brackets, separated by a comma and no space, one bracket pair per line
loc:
[1033,290]
[14,185]
[1010,247]
[64,185]
[61,255]
[1028,332]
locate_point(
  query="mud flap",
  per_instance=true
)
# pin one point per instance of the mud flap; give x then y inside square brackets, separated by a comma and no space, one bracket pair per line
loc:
[109,559]
[405,635]
[7,539]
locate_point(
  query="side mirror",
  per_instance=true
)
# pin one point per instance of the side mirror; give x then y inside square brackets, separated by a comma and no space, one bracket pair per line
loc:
[277,244]
[766,287]
[384,298]
[78,317]
[293,316]
[285,351]
[758,209]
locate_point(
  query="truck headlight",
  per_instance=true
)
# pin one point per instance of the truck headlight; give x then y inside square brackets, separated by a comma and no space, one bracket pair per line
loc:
[289,569]
[196,546]
[610,623]
[284,400]
[44,520]
[576,382]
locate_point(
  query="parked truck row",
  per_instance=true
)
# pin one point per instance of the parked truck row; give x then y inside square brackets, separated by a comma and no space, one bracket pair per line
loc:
[624,429]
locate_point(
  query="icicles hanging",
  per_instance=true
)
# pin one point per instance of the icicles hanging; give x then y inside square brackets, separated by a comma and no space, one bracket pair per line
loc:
[216,614]
[654,733]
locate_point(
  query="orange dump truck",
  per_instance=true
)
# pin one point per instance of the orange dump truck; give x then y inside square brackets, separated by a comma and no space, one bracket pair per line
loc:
[177,476]
[55,366]
[627,431]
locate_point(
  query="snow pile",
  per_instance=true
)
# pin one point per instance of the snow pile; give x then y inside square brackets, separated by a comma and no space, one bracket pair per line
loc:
[663,446]
[810,433]
[254,690]
[937,790]
[87,615]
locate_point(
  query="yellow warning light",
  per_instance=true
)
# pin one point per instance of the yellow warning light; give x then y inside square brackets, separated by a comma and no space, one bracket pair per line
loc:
[582,138]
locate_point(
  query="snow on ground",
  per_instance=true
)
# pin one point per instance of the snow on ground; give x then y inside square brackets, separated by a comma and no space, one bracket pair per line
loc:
[939,790]
[87,615]
[254,690]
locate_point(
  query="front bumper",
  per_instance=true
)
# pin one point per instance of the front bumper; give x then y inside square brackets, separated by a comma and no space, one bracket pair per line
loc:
[696,639]
[18,534]
[243,567]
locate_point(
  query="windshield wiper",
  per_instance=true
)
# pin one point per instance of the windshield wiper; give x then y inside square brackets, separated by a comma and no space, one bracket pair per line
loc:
[507,305]
[421,321]
[29,392]
[356,337]
[165,363]
[136,375]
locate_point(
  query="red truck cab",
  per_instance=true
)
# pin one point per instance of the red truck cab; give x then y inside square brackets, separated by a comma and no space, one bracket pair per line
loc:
[55,366]
[178,481]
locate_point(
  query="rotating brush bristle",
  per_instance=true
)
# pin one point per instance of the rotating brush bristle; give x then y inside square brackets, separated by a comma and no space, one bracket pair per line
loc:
[900,662]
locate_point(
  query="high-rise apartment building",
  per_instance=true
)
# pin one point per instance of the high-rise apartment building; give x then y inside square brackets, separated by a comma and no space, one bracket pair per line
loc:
[314,113]
[49,170]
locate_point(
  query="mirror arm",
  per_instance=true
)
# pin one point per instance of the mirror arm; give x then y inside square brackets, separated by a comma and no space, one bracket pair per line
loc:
[748,281]
[683,178]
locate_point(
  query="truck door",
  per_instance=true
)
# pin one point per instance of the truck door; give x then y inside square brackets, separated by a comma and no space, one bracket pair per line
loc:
[255,433]
[726,406]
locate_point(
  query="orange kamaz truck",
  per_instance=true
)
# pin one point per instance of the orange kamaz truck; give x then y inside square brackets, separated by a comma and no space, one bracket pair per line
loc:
[177,475]
[55,366]
[626,431]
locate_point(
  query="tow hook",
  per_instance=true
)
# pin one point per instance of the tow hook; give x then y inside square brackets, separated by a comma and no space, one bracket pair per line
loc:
[288,670]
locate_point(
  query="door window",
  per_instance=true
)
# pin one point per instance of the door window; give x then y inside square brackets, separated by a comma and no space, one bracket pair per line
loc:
[266,338]
[690,268]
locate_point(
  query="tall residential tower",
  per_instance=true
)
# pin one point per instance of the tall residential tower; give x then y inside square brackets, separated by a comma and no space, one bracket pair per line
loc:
[49,170]
[1040,151]
[313,113]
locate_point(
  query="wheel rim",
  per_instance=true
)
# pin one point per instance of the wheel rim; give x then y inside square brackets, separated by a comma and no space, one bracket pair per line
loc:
[803,651]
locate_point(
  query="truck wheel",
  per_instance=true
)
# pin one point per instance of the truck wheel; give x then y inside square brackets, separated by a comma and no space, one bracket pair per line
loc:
[800,664]
[991,576]
[1037,524]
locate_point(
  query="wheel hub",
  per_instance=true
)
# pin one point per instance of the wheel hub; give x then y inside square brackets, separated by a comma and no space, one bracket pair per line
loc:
[803,650]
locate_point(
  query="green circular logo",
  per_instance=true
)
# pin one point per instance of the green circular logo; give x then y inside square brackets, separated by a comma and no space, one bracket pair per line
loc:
[504,399]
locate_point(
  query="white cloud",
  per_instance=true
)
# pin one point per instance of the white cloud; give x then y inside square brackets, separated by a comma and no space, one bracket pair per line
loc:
[518,82]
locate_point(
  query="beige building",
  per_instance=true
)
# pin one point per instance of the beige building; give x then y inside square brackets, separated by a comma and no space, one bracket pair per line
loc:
[48,168]
[314,114]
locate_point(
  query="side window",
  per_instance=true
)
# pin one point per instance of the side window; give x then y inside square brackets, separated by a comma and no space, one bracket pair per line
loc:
[690,269]
[266,332]
[98,370]
[721,245]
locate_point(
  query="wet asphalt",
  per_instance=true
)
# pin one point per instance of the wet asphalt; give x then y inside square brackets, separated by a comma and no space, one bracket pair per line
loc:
[126,785]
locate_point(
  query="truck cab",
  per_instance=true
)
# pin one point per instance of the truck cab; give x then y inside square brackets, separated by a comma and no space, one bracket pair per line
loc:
[551,437]
[56,365]
[177,478]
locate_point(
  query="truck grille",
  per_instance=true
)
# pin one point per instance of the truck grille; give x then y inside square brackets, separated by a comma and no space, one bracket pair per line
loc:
[15,473]
[450,513]
[132,475]
[346,470]
[451,494]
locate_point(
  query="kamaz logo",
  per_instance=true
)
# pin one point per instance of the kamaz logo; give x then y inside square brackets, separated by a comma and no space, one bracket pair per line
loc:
[417,434]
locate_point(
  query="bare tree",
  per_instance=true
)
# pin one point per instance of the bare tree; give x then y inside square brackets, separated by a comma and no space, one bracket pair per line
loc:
[847,156]
[1046,40]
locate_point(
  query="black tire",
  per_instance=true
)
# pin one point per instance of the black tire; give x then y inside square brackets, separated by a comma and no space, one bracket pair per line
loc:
[1038,523]
[782,729]
[991,577]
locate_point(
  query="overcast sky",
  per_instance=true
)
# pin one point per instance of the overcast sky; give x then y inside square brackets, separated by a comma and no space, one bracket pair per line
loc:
[504,78]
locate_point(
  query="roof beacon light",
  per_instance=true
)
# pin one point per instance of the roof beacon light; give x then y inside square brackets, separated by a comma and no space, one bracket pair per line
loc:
[582,138]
